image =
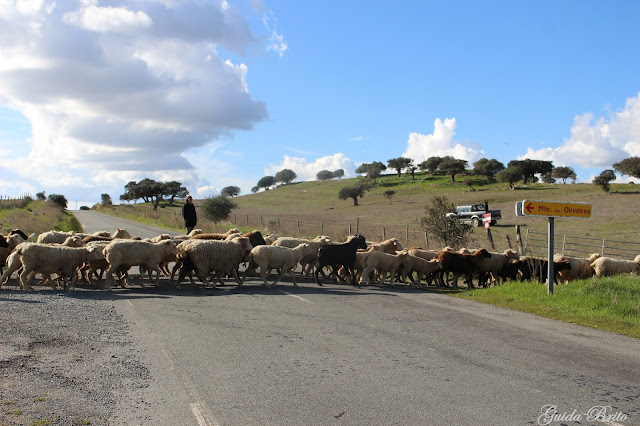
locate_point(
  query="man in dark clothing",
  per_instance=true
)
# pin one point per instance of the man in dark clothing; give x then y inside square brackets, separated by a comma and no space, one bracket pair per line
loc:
[189,214]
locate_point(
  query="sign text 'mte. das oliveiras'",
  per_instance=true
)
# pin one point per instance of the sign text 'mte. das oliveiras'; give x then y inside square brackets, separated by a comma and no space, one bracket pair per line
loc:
[555,209]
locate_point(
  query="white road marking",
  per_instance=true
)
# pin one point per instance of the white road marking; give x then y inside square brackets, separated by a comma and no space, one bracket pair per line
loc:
[129,302]
[297,297]
[171,366]
[195,409]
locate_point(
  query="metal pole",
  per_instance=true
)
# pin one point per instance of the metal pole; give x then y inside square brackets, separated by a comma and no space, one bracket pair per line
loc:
[550,272]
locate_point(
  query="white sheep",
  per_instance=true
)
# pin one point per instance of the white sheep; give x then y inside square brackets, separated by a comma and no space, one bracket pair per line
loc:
[580,268]
[56,237]
[218,256]
[123,254]
[606,266]
[391,246]
[270,257]
[193,233]
[423,268]
[48,259]
[383,263]
[308,262]
[424,254]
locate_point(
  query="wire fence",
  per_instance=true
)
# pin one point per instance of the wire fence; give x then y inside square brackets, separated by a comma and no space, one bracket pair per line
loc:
[7,201]
[536,244]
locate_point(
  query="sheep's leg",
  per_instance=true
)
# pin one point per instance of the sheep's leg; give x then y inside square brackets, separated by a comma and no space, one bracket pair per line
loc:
[280,275]
[202,276]
[25,284]
[292,278]
[263,275]
[366,278]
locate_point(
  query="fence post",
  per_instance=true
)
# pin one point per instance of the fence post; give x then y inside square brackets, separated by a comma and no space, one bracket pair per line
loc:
[519,240]
[298,226]
[603,244]
[261,223]
[493,247]
[247,220]
[506,237]
[426,239]
[564,243]
[350,230]
[321,228]
[384,234]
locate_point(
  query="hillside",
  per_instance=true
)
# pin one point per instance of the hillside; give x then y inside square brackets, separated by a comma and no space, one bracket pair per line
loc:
[613,215]
[312,208]
[36,217]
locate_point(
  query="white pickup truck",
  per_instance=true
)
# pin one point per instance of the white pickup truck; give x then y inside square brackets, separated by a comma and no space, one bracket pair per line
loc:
[473,213]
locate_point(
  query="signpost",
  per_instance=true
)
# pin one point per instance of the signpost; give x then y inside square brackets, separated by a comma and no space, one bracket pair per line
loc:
[552,209]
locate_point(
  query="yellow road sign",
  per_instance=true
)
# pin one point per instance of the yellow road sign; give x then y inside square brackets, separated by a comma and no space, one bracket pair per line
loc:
[550,208]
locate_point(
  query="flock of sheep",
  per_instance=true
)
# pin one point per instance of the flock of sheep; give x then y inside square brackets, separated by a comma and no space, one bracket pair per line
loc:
[215,256]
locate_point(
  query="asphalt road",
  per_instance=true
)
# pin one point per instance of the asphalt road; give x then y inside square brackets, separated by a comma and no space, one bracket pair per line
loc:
[375,355]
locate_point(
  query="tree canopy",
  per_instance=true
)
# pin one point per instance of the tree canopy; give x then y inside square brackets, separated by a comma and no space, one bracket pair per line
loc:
[266,182]
[285,176]
[563,173]
[230,191]
[399,164]
[452,166]
[510,175]
[488,168]
[430,164]
[57,199]
[217,208]
[629,167]
[354,192]
[604,180]
[371,170]
[530,168]
[151,191]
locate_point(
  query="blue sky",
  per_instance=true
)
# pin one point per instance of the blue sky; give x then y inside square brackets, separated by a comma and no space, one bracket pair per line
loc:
[94,94]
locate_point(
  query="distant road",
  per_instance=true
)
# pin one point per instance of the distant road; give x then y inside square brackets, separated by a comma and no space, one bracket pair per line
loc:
[374,355]
[92,221]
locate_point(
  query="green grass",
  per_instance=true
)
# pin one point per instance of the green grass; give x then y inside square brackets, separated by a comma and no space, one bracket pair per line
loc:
[610,303]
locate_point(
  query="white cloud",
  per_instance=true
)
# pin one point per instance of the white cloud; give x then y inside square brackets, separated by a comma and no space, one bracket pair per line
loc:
[119,92]
[307,171]
[441,143]
[102,19]
[597,143]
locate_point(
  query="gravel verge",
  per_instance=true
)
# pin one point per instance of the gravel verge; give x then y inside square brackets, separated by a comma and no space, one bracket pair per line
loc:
[66,358]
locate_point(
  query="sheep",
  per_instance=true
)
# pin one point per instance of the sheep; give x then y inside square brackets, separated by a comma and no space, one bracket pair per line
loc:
[309,262]
[460,264]
[358,266]
[48,259]
[494,265]
[190,235]
[90,238]
[424,254]
[606,266]
[282,258]
[7,245]
[533,267]
[13,264]
[120,234]
[270,239]
[335,255]
[53,237]
[580,268]
[127,253]
[391,246]
[381,262]
[220,257]
[423,268]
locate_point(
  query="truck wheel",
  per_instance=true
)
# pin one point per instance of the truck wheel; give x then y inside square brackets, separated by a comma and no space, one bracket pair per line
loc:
[475,222]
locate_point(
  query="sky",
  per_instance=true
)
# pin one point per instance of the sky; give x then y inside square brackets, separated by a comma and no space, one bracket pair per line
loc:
[95,94]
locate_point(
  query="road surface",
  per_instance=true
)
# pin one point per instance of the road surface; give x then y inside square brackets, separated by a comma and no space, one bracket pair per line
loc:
[375,355]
